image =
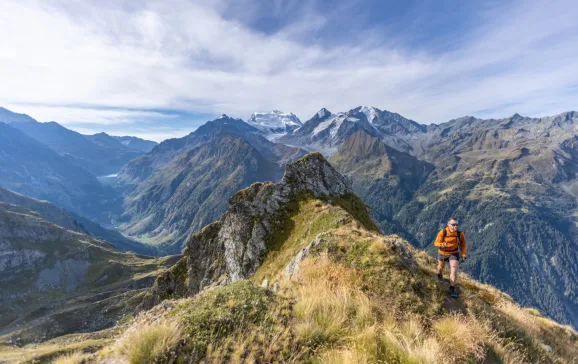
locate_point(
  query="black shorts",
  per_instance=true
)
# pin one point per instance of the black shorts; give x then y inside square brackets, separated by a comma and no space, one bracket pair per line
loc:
[445,258]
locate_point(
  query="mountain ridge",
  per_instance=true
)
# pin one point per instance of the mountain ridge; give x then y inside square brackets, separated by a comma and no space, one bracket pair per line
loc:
[297,271]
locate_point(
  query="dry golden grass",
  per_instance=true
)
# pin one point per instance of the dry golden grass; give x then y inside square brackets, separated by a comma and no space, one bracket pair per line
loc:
[75,357]
[329,303]
[342,307]
[411,342]
[526,321]
[460,337]
[143,343]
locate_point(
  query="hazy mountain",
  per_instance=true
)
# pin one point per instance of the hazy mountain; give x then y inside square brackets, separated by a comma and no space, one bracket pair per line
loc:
[95,153]
[45,209]
[57,281]
[136,143]
[275,123]
[142,167]
[33,169]
[7,117]
[192,189]
[106,141]
[74,222]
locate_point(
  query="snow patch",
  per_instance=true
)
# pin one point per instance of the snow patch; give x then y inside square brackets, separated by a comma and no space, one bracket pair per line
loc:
[370,113]
[275,122]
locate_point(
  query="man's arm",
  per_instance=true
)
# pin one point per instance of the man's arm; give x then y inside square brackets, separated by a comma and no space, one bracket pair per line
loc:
[439,242]
[463,245]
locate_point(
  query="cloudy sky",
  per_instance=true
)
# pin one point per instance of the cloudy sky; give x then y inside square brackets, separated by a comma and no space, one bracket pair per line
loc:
[159,69]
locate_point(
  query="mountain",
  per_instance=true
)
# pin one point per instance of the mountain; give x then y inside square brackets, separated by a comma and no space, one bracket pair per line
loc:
[45,209]
[275,123]
[504,178]
[92,153]
[57,281]
[7,117]
[512,182]
[136,143]
[296,271]
[325,131]
[382,176]
[191,190]
[142,167]
[33,169]
[233,247]
[104,140]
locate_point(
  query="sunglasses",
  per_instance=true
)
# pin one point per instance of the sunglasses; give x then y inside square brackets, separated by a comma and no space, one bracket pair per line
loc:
[454,224]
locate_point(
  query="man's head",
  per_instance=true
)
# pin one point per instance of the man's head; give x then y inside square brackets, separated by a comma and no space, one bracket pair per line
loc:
[453,224]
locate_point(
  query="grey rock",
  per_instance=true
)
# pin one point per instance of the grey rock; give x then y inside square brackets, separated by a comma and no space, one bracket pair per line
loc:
[293,266]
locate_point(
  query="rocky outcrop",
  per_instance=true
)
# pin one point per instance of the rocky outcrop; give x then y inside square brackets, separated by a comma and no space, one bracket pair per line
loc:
[233,247]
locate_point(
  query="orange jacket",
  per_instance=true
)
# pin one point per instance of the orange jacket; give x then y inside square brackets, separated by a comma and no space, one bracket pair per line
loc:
[451,242]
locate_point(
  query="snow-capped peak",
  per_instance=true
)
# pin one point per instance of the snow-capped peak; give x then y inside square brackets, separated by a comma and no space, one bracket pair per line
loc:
[321,114]
[370,112]
[275,123]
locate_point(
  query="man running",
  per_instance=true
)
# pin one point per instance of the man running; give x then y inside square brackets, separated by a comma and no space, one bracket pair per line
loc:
[448,241]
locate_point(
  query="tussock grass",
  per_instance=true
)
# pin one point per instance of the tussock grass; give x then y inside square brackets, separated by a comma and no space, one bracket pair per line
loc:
[524,320]
[411,342]
[329,303]
[145,343]
[460,337]
[76,357]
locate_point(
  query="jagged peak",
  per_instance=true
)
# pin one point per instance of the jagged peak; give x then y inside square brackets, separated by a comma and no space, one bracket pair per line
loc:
[313,173]
[323,113]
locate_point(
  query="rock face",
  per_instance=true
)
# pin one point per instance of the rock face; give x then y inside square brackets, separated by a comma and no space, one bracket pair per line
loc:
[233,247]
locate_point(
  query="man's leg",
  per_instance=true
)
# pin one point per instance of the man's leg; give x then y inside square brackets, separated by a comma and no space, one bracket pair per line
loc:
[454,264]
[441,265]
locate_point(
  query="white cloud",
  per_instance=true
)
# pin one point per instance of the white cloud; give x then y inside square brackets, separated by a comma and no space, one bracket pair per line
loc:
[186,56]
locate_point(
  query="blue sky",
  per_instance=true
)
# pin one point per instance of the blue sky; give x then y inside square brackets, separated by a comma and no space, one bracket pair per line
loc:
[159,69]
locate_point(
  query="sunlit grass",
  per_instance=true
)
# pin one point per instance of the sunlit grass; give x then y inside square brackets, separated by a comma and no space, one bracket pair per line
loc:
[142,344]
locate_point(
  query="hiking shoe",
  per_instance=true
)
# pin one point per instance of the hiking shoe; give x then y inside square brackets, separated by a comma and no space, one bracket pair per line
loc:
[453,292]
[440,277]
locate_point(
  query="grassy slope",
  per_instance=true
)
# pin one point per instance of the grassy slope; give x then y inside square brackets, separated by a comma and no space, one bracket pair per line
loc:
[111,284]
[358,297]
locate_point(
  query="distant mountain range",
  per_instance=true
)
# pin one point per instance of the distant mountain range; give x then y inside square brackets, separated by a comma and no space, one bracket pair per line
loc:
[48,161]
[511,182]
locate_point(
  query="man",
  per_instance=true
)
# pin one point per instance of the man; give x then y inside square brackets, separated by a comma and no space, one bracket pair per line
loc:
[448,241]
